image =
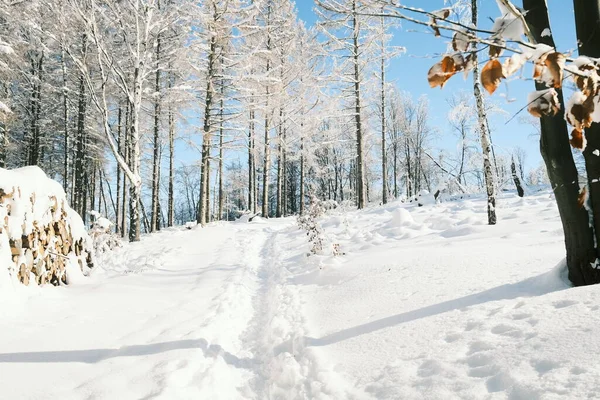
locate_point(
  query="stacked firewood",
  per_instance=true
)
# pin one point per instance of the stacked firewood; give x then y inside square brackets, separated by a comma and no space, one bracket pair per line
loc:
[44,242]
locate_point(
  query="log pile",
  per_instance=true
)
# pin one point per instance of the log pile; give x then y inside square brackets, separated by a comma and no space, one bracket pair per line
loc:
[46,238]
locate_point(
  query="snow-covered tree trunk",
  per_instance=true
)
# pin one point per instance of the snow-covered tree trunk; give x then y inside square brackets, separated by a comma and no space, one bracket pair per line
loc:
[266,162]
[171,205]
[360,163]
[66,142]
[486,145]
[251,161]
[221,148]
[156,143]
[302,174]
[384,161]
[203,205]
[280,177]
[120,146]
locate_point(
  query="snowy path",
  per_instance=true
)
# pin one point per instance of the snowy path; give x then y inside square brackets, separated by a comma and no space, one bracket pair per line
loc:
[426,303]
[187,314]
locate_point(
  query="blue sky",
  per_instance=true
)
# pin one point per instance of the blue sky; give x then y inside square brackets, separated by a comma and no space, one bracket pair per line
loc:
[409,72]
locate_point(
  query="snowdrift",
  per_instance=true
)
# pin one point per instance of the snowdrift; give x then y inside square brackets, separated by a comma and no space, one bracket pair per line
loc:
[42,240]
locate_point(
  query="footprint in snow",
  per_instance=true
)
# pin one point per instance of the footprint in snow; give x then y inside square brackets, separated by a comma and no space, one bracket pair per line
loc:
[507,330]
[479,346]
[578,370]
[564,303]
[520,316]
[544,366]
[453,337]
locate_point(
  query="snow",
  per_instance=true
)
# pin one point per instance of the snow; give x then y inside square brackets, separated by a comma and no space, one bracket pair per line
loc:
[546,32]
[427,302]
[4,108]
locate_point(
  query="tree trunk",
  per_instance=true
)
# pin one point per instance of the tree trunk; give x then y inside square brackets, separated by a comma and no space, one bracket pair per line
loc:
[127,157]
[384,187]
[360,174]
[266,168]
[267,155]
[515,176]
[251,162]
[156,144]
[120,149]
[65,122]
[302,173]
[135,189]
[221,134]
[483,131]
[587,18]
[203,203]
[171,205]
[80,150]
[279,202]
[556,152]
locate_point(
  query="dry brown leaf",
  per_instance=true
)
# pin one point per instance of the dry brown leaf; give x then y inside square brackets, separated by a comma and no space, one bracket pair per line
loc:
[555,62]
[495,51]
[538,69]
[436,30]
[582,197]
[513,64]
[543,103]
[491,76]
[442,71]
[460,62]
[580,116]
[587,84]
[448,65]
[579,111]
[441,14]
[460,42]
[469,65]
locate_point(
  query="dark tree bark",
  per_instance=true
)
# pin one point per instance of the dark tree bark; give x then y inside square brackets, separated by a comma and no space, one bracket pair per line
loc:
[587,18]
[556,152]
[515,176]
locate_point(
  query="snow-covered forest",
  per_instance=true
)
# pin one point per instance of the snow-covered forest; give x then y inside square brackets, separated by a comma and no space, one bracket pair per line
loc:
[159,113]
[221,199]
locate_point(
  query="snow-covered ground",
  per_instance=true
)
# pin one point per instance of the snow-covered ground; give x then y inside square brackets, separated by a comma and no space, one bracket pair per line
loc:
[426,303]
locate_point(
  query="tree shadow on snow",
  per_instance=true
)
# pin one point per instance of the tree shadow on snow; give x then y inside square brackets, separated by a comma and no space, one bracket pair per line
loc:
[93,356]
[548,282]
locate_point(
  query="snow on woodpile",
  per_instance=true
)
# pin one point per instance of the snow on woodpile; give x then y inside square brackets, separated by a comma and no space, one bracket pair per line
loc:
[42,240]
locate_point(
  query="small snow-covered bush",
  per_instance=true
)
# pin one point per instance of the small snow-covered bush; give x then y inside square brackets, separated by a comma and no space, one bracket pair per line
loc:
[101,233]
[422,199]
[309,222]
[42,240]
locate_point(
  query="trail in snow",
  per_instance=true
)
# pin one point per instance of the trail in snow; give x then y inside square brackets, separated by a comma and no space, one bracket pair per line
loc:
[426,303]
[165,321]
